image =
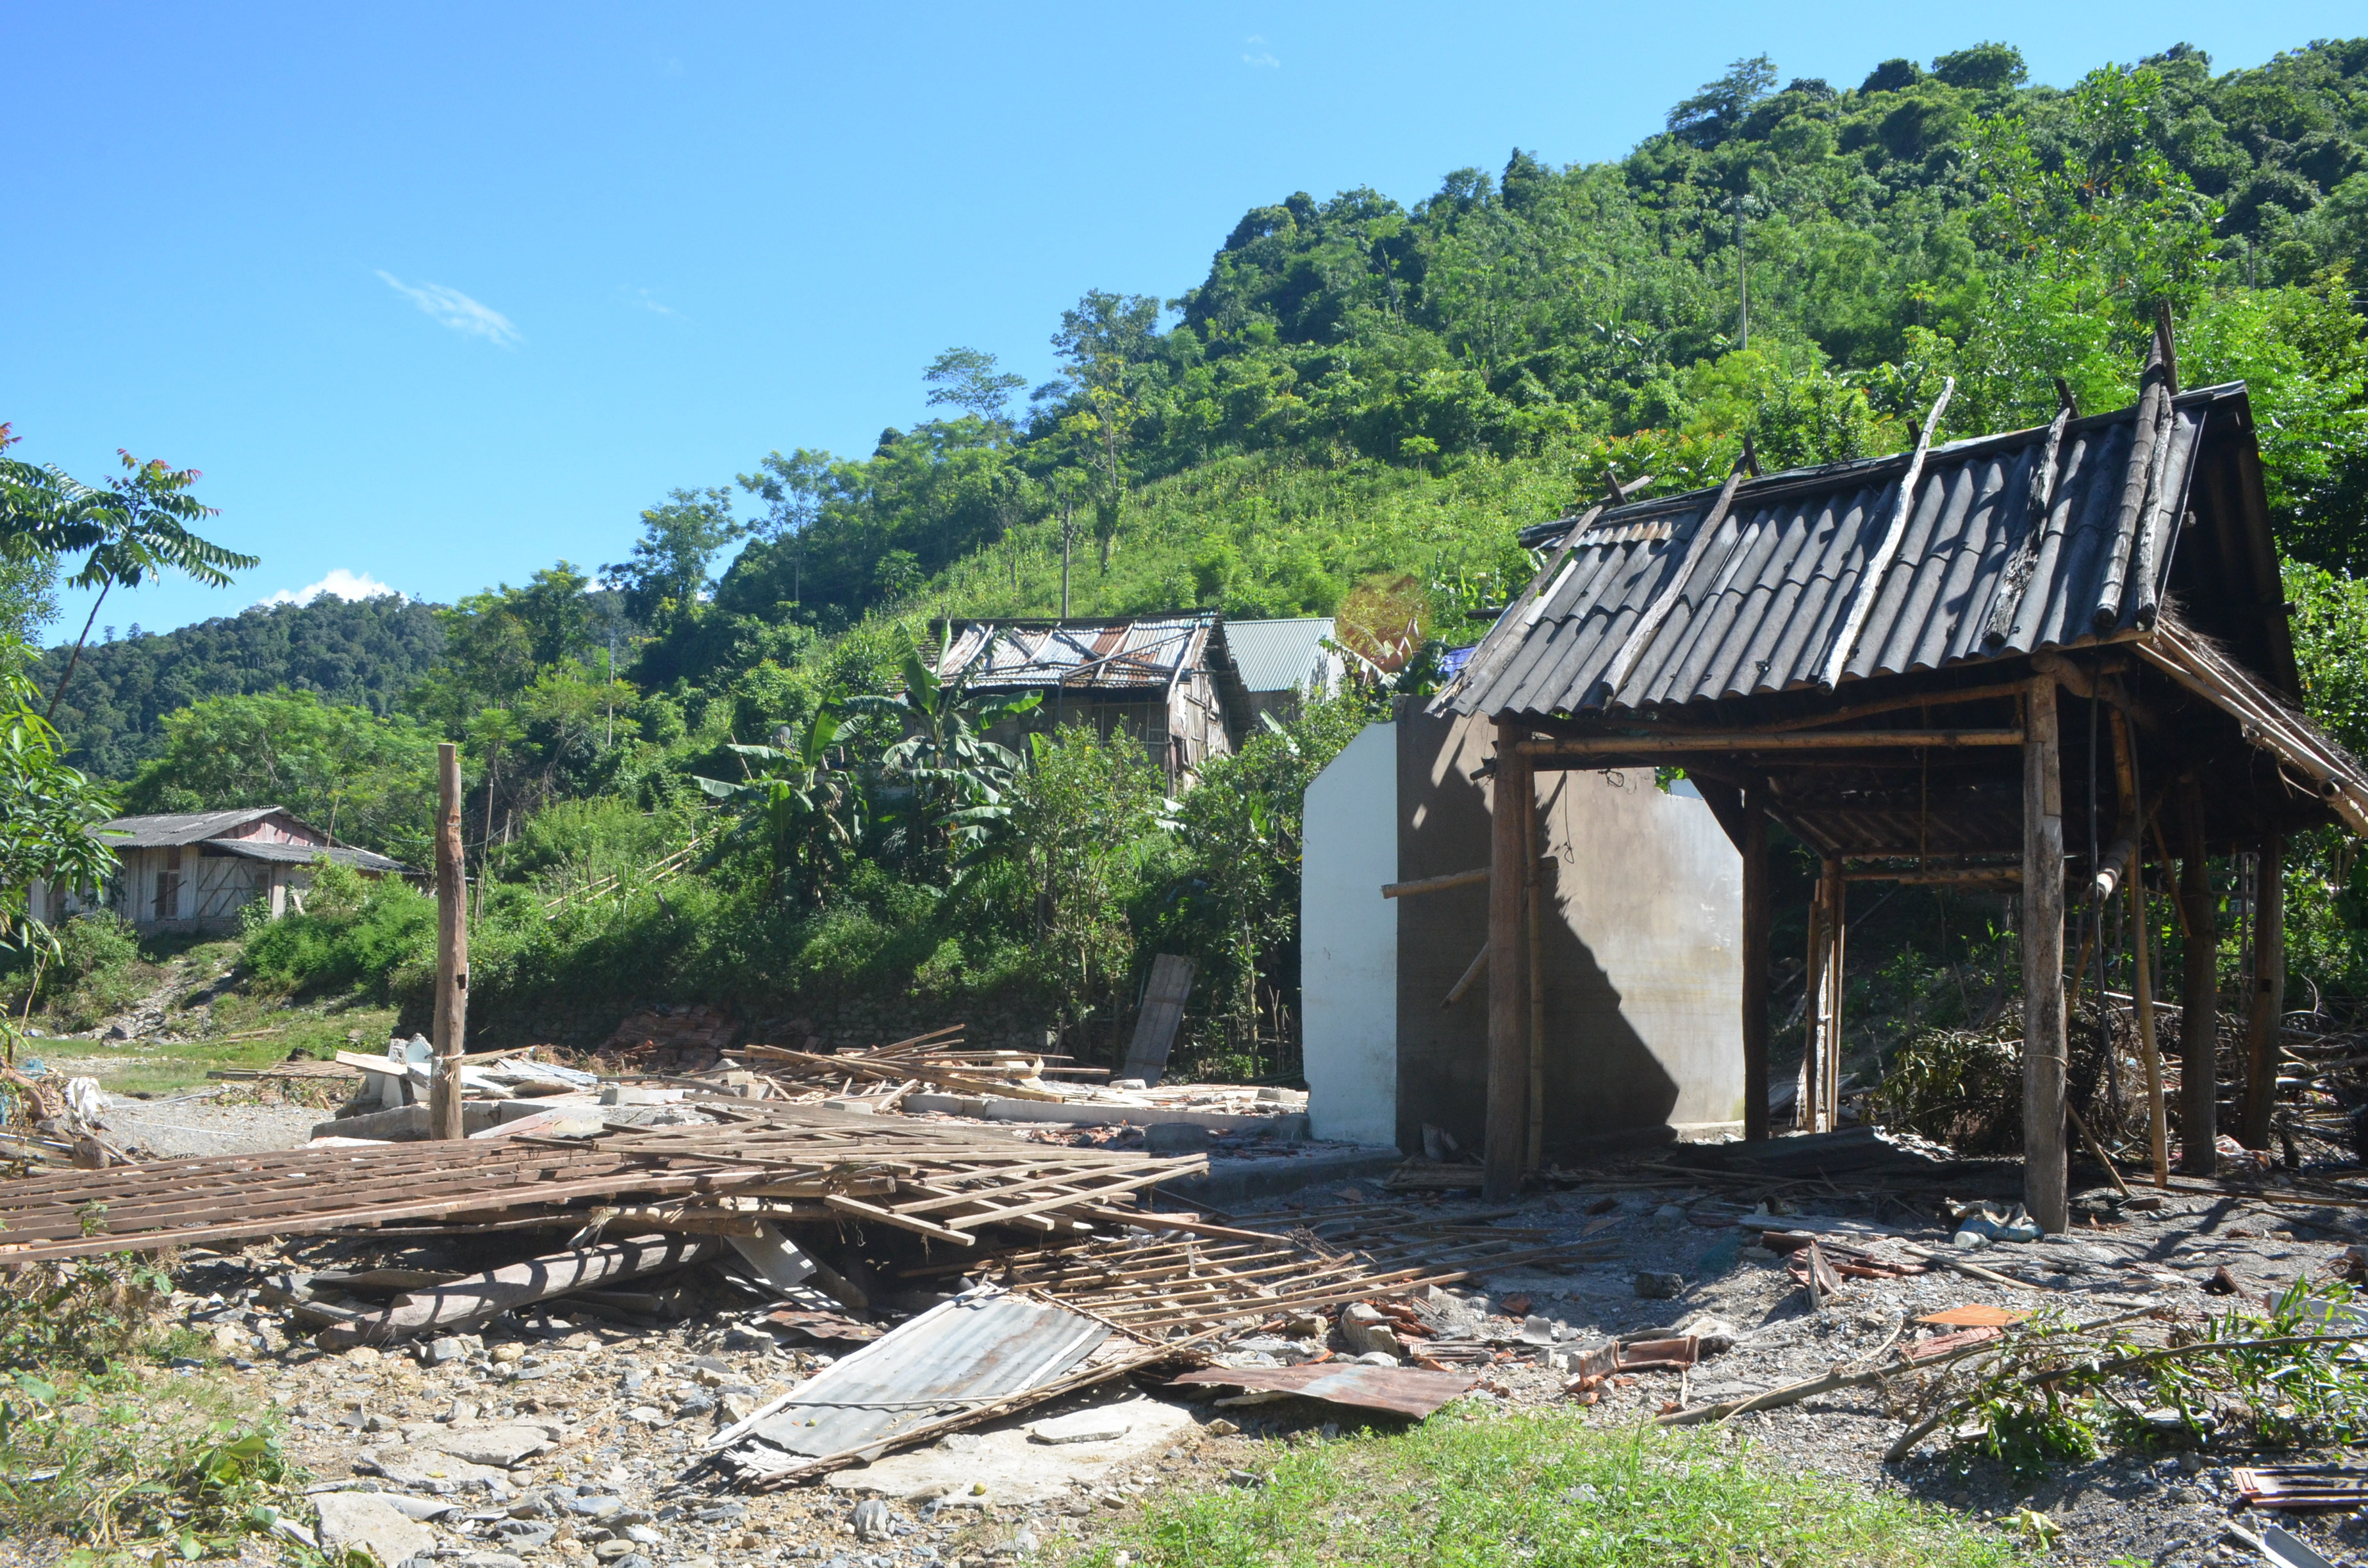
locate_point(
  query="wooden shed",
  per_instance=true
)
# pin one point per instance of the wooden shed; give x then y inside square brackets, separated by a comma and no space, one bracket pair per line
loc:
[199,870]
[2058,653]
[1167,680]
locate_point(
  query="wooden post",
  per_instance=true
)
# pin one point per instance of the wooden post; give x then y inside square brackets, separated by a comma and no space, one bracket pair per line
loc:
[2045,1174]
[1755,962]
[1509,1066]
[2199,996]
[2266,997]
[1534,1145]
[2142,987]
[1829,1065]
[451,949]
[1808,1092]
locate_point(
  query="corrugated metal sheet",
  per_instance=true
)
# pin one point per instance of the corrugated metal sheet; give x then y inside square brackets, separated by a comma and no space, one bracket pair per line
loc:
[1402,1390]
[1284,655]
[179,827]
[979,1347]
[2006,550]
[302,854]
[1080,654]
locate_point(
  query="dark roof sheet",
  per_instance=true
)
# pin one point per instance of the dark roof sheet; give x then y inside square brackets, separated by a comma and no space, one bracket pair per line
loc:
[1138,654]
[179,827]
[2003,553]
[302,853]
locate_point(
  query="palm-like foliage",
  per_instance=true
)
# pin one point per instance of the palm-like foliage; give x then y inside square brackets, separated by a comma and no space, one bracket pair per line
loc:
[949,783]
[136,528]
[804,813]
[47,812]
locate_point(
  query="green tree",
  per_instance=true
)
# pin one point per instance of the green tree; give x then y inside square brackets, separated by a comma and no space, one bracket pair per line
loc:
[47,812]
[972,380]
[803,815]
[367,779]
[667,571]
[942,781]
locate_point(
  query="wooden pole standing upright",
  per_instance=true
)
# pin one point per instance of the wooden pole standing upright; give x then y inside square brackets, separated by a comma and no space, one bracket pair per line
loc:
[1533,1157]
[2199,996]
[451,949]
[1508,999]
[2267,1001]
[2142,985]
[2045,1174]
[1755,962]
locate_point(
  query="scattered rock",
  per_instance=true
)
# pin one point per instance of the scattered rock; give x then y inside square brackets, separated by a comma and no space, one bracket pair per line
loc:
[1657,1287]
[1083,1426]
[503,1445]
[1364,1329]
[364,1356]
[871,1519]
[408,1466]
[437,1352]
[367,1520]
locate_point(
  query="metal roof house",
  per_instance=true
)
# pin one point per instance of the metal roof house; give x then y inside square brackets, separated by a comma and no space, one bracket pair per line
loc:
[1167,680]
[1927,666]
[199,870]
[1283,663]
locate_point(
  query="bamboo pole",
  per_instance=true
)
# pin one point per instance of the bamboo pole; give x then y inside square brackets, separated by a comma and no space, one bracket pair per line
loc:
[2269,989]
[451,1018]
[2142,987]
[2199,995]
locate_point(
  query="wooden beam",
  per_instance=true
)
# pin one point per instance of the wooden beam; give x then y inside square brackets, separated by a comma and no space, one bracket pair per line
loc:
[1770,740]
[1534,1146]
[1896,704]
[1434,884]
[1756,929]
[1508,1075]
[1471,972]
[2125,777]
[2199,995]
[2266,1001]
[2045,1173]
[449,1019]
[1940,876]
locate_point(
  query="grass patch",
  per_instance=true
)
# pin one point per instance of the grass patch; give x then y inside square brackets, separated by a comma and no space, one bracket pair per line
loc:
[1475,1491]
[101,1447]
[262,1037]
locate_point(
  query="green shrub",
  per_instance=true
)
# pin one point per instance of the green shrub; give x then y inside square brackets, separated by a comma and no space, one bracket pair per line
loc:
[353,931]
[97,973]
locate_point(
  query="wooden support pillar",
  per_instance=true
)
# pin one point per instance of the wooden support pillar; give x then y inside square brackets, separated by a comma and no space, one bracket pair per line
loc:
[450,1016]
[2266,994]
[1815,1104]
[2199,995]
[1508,991]
[1755,962]
[2045,1176]
[1533,915]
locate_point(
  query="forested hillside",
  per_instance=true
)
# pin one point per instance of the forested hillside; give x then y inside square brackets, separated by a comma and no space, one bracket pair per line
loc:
[1354,412]
[362,653]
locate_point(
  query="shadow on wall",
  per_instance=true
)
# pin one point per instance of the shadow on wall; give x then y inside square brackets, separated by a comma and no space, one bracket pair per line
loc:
[1642,899]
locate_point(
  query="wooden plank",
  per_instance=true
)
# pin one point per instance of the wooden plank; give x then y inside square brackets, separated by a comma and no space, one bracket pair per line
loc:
[1769,740]
[1162,1016]
[1757,925]
[2199,994]
[2045,1174]
[846,1205]
[1508,1075]
[1434,884]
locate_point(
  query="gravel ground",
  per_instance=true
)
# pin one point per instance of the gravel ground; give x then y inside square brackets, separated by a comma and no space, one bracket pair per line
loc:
[571,1443]
[195,1121]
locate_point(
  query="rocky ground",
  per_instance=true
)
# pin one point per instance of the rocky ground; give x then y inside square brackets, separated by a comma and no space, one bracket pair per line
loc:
[561,1439]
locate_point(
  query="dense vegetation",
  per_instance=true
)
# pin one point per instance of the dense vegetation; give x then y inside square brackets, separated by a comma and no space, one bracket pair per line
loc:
[363,654]
[1353,413]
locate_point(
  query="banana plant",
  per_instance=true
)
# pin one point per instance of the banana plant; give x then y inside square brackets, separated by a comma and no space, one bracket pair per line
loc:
[804,813]
[952,783]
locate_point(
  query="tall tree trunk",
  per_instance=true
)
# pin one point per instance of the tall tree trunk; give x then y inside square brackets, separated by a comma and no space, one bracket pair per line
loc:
[76,657]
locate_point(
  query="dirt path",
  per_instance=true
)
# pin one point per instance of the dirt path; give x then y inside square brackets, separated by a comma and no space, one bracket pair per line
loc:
[195,1121]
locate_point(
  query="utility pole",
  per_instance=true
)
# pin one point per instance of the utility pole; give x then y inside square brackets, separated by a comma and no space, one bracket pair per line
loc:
[1069,517]
[451,949]
[1742,279]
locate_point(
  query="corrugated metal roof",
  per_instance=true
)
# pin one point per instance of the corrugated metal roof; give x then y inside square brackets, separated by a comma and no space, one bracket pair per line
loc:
[182,827]
[1284,655]
[1026,656]
[2012,543]
[977,1348]
[302,853]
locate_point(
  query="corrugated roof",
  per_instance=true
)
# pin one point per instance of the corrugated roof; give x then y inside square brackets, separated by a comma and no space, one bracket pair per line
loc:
[1026,656]
[2012,543]
[182,827]
[972,1350]
[302,853]
[1284,655]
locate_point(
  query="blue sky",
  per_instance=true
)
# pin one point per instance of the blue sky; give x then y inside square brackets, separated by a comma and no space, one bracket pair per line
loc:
[436,295]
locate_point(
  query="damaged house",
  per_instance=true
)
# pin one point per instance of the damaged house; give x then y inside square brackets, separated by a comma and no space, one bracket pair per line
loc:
[1926,667]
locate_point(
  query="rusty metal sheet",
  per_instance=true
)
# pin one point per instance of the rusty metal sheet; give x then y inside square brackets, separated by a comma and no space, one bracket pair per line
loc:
[1402,1390]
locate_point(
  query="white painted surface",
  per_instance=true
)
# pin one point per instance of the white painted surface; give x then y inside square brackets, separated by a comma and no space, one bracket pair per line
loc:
[1349,942]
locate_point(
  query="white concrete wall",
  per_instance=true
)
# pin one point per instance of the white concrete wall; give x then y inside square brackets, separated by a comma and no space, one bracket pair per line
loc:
[1349,942]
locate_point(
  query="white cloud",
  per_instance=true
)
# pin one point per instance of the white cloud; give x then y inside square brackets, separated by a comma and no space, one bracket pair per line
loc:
[457,311]
[646,301]
[340,583]
[1261,61]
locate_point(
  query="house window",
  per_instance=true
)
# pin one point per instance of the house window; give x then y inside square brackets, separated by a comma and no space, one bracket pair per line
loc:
[168,886]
